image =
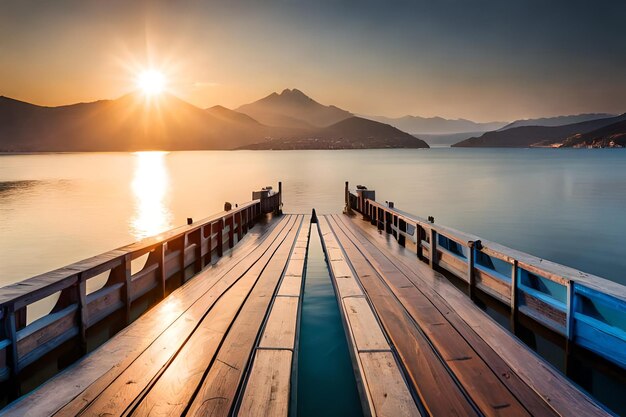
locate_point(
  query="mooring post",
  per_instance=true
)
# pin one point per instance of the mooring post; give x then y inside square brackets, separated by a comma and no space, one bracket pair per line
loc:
[348,208]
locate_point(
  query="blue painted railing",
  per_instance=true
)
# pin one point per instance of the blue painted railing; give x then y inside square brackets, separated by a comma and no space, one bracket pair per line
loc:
[587,310]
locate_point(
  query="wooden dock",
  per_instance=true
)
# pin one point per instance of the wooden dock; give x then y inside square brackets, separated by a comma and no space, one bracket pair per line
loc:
[225,342]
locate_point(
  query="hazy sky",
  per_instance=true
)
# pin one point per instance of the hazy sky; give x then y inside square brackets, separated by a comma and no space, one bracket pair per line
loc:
[483,60]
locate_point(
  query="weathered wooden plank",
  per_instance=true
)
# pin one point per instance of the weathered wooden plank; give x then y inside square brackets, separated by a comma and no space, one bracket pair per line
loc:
[206,329]
[363,324]
[280,329]
[45,334]
[390,395]
[93,373]
[429,374]
[365,335]
[528,377]
[267,390]
[103,302]
[216,395]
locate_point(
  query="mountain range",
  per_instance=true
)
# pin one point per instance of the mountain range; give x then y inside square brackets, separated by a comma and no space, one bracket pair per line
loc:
[558,120]
[286,120]
[549,136]
[436,125]
[133,122]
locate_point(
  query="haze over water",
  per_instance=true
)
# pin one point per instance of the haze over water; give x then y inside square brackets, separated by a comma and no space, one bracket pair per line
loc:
[566,206]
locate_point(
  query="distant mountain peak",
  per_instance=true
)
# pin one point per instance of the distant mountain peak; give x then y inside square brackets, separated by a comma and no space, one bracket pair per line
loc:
[293,108]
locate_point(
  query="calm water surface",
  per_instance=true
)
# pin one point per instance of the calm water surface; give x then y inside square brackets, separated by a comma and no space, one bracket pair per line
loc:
[568,206]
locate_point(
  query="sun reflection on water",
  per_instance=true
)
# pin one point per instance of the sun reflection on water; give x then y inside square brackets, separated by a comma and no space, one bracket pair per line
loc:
[150,185]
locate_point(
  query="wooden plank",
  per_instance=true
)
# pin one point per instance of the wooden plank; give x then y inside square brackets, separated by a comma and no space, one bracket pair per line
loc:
[207,330]
[94,372]
[390,395]
[280,329]
[217,393]
[267,390]
[365,335]
[46,329]
[528,376]
[479,382]
[485,387]
[363,324]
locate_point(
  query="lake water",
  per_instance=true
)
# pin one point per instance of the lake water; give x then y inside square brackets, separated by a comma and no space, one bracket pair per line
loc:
[568,206]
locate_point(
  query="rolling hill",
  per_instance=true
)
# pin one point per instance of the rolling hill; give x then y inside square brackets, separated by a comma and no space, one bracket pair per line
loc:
[351,133]
[293,108]
[528,136]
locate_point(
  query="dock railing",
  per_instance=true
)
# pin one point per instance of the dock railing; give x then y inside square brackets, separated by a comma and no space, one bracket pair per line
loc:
[171,258]
[586,310]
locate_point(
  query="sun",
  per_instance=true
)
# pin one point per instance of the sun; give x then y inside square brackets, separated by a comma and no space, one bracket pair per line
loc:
[151,82]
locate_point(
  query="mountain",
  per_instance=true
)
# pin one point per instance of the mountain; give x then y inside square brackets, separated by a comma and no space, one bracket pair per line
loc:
[228,115]
[133,122]
[351,133]
[293,108]
[528,136]
[611,136]
[436,125]
[129,123]
[559,120]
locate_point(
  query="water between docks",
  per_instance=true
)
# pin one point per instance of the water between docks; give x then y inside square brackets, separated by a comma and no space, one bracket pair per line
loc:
[326,382]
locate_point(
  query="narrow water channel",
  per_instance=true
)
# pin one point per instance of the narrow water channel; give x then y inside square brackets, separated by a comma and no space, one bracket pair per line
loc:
[326,382]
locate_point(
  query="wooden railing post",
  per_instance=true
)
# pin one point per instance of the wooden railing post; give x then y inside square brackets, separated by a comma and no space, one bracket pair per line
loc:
[160,254]
[127,286]
[433,248]
[280,198]
[81,288]
[570,327]
[184,243]
[231,231]
[196,238]
[220,237]
[12,336]
[514,302]
[418,234]
[471,276]
[401,230]
[239,221]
